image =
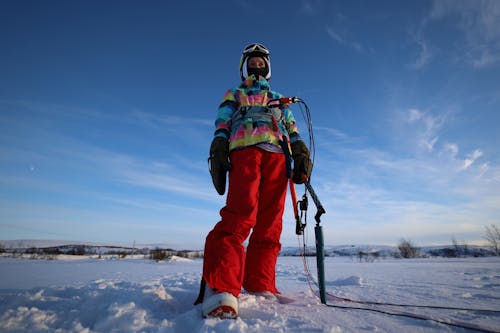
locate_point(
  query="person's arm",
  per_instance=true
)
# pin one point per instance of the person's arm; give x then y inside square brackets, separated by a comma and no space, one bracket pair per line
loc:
[302,165]
[219,148]
[224,114]
[291,125]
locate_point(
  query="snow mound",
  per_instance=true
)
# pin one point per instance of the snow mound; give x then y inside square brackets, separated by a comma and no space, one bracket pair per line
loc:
[27,319]
[179,259]
[349,281]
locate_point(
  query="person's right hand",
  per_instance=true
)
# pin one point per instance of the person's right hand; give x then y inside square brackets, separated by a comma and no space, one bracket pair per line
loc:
[219,163]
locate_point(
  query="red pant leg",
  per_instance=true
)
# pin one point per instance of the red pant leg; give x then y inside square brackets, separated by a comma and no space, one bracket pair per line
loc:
[264,245]
[224,256]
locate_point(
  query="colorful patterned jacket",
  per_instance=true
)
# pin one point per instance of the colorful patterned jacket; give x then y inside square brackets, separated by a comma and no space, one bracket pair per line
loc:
[245,120]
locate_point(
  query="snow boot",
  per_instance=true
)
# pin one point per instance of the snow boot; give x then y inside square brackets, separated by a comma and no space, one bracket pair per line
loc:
[219,305]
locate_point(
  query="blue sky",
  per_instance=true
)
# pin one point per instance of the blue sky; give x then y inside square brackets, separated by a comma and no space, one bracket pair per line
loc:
[107,111]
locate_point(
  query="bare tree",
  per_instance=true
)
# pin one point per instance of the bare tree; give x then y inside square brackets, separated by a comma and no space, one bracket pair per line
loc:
[493,237]
[361,254]
[460,249]
[455,246]
[407,249]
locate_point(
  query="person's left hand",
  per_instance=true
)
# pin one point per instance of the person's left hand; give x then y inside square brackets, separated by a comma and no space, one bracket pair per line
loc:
[302,165]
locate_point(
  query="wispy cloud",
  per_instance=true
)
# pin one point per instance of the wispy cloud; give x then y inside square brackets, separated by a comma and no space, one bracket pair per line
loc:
[451,149]
[471,158]
[430,190]
[46,145]
[311,7]
[426,127]
[423,55]
[23,113]
[168,121]
[176,177]
[475,22]
[478,22]
[336,133]
[335,35]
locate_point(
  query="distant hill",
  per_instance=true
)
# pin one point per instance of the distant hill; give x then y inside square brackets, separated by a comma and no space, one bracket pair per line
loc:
[29,243]
[363,252]
[51,248]
[377,251]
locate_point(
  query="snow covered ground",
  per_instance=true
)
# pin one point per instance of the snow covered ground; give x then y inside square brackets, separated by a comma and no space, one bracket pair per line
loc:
[138,295]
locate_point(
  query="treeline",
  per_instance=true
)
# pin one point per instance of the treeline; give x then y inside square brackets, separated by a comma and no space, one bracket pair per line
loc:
[100,252]
[163,254]
[408,249]
[404,250]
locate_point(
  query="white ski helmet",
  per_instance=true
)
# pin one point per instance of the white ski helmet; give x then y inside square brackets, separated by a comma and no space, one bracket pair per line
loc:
[254,50]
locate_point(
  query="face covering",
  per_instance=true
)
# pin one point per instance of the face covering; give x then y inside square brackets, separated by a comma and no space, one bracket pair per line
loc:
[258,71]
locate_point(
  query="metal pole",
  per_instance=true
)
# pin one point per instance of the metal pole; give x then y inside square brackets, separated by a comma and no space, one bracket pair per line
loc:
[318,231]
[320,262]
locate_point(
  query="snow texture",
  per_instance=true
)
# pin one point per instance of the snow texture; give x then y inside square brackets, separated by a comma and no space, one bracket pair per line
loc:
[138,295]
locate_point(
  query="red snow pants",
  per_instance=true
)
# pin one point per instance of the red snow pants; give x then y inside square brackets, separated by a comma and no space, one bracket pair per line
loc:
[255,200]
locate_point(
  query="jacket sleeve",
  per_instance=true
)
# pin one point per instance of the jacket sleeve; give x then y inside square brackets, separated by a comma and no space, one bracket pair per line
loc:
[291,125]
[224,114]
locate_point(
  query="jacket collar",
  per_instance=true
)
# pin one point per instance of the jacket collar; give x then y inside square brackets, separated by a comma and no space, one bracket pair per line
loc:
[254,83]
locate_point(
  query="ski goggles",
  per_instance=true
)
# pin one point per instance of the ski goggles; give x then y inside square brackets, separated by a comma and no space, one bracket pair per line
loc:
[256,47]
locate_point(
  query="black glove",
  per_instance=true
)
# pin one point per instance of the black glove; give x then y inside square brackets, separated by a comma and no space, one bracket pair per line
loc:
[219,163]
[302,165]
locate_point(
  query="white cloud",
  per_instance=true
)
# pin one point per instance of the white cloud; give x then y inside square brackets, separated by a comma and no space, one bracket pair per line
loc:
[479,22]
[476,23]
[451,148]
[428,143]
[426,127]
[420,191]
[471,158]
[484,168]
[423,196]
[335,133]
[467,164]
[414,115]
[476,154]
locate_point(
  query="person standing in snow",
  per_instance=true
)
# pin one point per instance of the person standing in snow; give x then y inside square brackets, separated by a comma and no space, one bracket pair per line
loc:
[253,142]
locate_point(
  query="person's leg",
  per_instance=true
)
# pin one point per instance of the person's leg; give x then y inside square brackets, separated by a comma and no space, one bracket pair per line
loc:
[224,255]
[264,245]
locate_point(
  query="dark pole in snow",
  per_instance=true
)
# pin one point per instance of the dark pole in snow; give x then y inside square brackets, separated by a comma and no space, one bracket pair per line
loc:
[318,231]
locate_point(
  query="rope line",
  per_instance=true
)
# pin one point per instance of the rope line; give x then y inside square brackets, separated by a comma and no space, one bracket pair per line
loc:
[448,322]
[419,317]
[337,298]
